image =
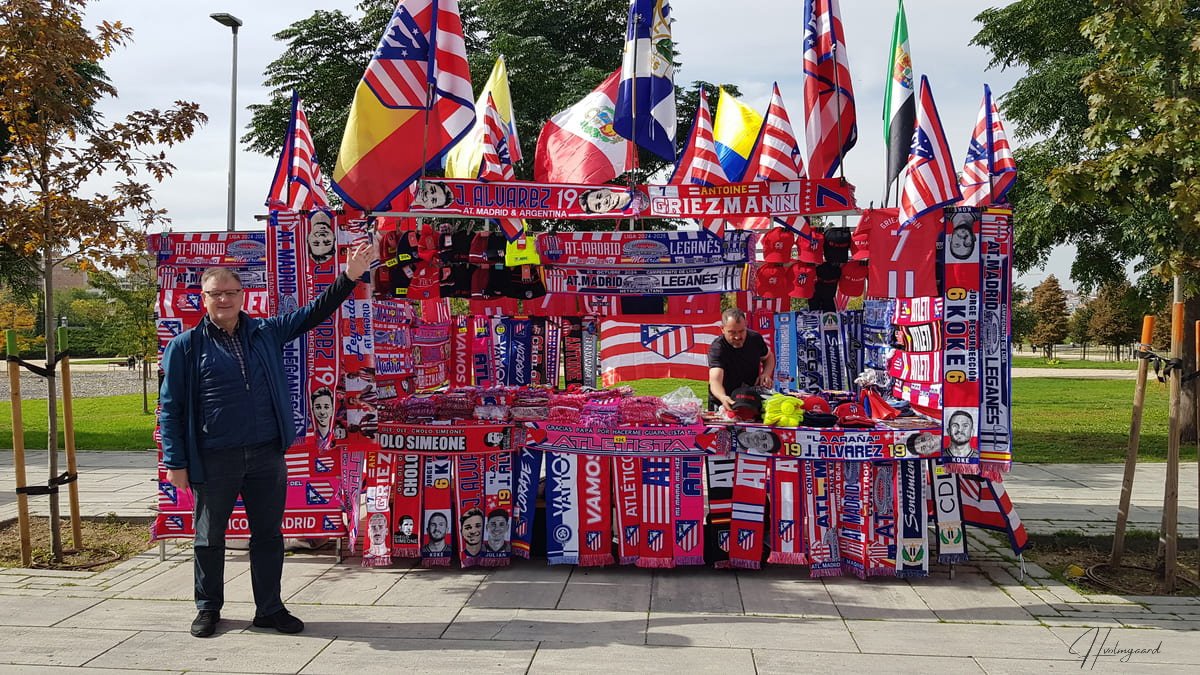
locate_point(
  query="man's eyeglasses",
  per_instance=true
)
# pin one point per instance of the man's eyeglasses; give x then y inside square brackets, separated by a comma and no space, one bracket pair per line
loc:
[219,295]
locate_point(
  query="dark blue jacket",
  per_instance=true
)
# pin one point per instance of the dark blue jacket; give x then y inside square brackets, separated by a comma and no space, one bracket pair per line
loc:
[181,419]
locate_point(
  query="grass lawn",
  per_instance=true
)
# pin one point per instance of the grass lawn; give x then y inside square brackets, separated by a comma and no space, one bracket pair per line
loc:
[1054,420]
[103,423]
[1039,362]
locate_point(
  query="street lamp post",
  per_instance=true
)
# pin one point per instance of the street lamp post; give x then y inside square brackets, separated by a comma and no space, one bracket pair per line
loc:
[226,19]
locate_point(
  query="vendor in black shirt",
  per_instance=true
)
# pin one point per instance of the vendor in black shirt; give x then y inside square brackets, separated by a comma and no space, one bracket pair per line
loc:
[739,358]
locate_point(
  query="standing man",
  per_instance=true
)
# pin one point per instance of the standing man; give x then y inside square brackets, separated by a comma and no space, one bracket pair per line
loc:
[226,420]
[739,358]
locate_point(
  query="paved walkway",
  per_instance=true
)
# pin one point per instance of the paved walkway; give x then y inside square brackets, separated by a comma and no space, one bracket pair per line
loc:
[539,619]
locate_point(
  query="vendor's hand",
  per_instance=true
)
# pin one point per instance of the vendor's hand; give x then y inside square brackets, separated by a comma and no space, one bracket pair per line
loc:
[727,403]
[178,478]
[359,260]
[765,380]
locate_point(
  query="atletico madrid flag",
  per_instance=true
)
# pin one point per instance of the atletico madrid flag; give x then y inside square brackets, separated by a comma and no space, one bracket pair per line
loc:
[929,181]
[413,102]
[829,115]
[297,185]
[776,156]
[990,170]
[698,164]
[497,162]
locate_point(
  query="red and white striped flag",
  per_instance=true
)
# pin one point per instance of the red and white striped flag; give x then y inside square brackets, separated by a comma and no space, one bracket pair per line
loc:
[776,156]
[497,162]
[829,115]
[929,179]
[698,164]
[986,504]
[297,185]
[578,145]
[990,170]
[637,347]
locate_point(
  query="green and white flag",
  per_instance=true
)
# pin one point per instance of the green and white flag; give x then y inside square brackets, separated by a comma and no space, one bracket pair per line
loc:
[899,109]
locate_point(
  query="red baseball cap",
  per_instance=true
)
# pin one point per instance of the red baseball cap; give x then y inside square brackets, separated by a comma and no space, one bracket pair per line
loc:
[853,415]
[815,403]
[805,277]
[811,247]
[772,281]
[854,279]
[860,240]
[777,245]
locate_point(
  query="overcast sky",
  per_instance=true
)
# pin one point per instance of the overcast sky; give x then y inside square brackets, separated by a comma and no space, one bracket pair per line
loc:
[178,52]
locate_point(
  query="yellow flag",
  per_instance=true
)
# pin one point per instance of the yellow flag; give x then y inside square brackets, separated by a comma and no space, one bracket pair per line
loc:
[735,128]
[463,159]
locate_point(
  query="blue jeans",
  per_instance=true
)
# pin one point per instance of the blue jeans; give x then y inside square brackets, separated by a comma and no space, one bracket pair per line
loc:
[259,474]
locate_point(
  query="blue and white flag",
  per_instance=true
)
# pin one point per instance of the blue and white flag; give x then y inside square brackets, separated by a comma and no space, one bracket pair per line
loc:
[645,111]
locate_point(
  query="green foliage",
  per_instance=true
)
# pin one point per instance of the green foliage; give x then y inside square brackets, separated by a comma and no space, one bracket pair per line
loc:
[1049,306]
[1023,318]
[107,423]
[1079,329]
[1115,319]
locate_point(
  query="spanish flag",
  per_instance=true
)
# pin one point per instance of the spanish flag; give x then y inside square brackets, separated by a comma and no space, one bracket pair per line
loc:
[462,161]
[413,102]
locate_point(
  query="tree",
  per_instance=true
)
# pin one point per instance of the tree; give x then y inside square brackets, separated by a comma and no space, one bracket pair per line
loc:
[1023,318]
[131,299]
[1078,328]
[1109,102]
[50,81]
[1049,305]
[1115,321]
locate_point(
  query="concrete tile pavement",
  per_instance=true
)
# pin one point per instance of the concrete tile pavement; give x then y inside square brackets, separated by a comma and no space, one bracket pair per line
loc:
[539,619]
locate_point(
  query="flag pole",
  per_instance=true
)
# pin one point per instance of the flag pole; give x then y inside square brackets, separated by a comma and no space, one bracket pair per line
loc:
[637,19]
[837,91]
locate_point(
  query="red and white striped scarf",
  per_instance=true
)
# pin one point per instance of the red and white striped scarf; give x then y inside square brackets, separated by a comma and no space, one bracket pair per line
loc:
[687,502]
[657,549]
[627,485]
[749,511]
[595,523]
[787,514]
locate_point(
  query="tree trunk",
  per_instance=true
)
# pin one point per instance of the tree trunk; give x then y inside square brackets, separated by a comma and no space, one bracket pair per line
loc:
[146,385]
[1187,399]
[52,399]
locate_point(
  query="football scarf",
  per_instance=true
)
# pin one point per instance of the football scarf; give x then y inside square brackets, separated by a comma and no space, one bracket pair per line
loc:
[881,560]
[352,473]
[924,395]
[323,363]
[517,358]
[646,281]
[912,555]
[720,506]
[393,339]
[627,484]
[911,311]
[921,337]
[553,347]
[638,249]
[853,346]
[501,339]
[498,507]
[995,425]
[687,504]
[810,362]
[917,367]
[460,353]
[562,508]
[854,516]
[824,557]
[482,364]
[357,353]
[787,514]
[406,507]
[377,551]
[595,490]
[833,365]
[952,540]
[590,351]
[437,497]
[529,471]
[657,549]
[961,357]
[749,511]
[537,351]
[286,289]
[785,351]
[468,488]
[572,332]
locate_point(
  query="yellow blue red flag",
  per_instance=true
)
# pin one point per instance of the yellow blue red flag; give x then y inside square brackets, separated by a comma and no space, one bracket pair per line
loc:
[413,102]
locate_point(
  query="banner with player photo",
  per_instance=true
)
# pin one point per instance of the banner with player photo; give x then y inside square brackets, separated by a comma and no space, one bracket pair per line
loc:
[780,198]
[848,445]
[521,199]
[961,355]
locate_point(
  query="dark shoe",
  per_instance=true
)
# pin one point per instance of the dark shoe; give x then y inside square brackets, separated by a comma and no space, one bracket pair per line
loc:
[205,622]
[281,621]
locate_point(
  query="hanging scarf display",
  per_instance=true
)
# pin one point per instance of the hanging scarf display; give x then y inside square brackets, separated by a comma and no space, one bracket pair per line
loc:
[810,361]
[822,522]
[852,345]
[501,341]
[916,367]
[749,512]
[286,276]
[627,484]
[377,550]
[391,322]
[591,352]
[468,492]
[912,555]
[437,498]
[562,508]
[720,506]
[854,516]
[498,509]
[482,363]
[529,471]
[787,514]
[406,506]
[657,549]
[961,357]
[687,509]
[553,346]
[352,462]
[572,333]
[833,365]
[913,311]
[995,425]
[595,496]
[323,366]
[952,540]
[881,553]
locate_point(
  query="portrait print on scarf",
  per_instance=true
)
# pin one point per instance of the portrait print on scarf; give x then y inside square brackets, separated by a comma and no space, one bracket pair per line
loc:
[437,499]
[962,355]
[406,507]
[498,507]
[377,550]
